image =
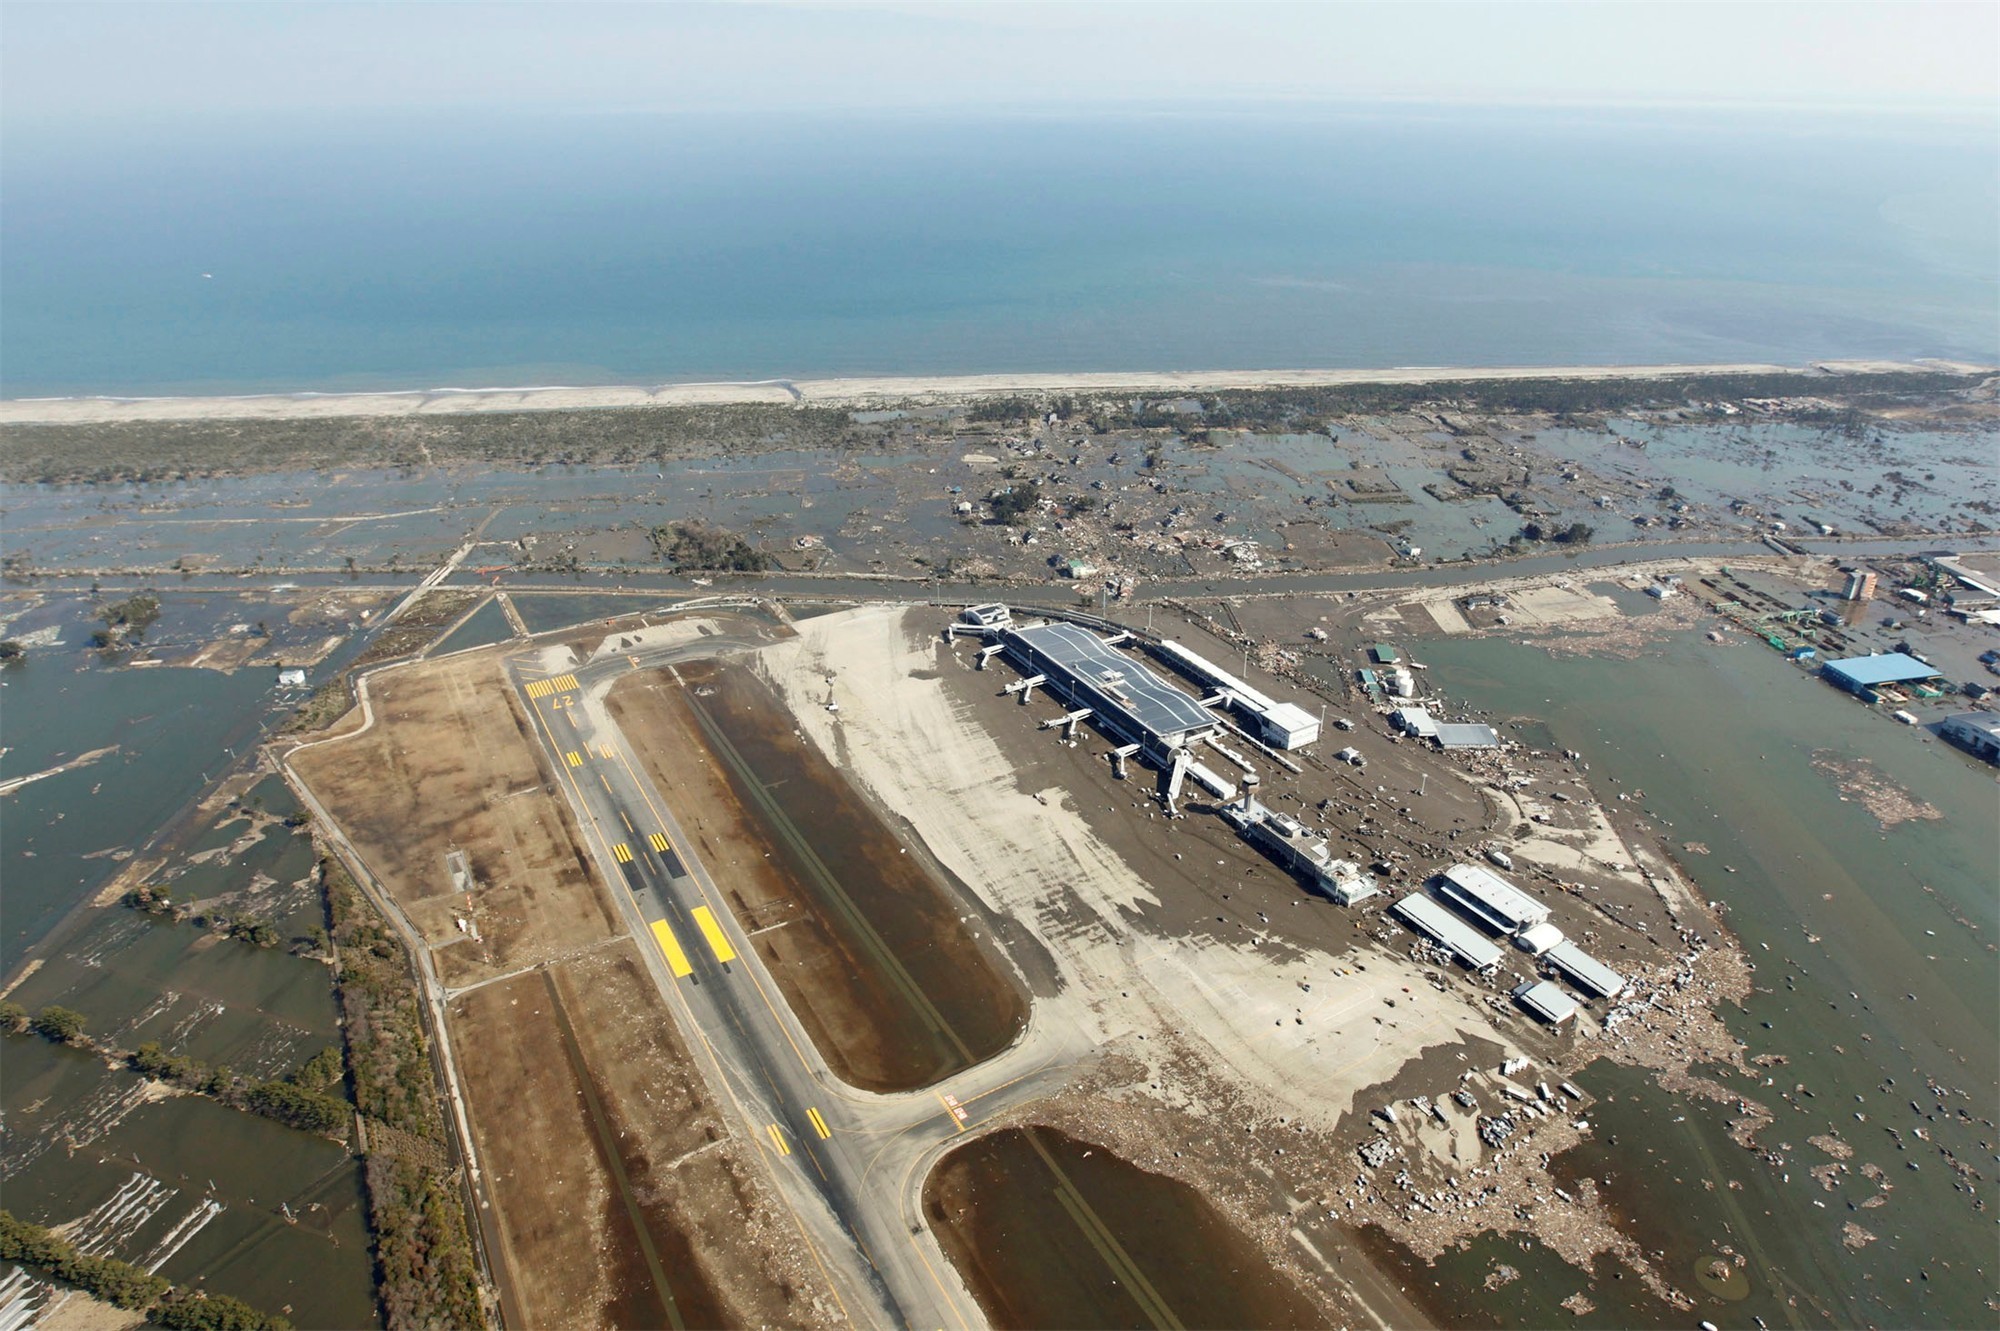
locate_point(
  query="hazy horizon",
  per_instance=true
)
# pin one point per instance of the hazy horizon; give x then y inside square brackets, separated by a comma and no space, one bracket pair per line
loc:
[97,61]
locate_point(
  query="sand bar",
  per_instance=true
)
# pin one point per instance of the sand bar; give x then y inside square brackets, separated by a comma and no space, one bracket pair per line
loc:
[847,392]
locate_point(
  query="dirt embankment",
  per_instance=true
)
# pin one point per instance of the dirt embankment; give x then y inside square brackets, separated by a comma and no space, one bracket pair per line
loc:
[615,1187]
[867,945]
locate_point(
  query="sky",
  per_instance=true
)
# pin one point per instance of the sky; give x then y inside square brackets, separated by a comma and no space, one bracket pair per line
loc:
[83,62]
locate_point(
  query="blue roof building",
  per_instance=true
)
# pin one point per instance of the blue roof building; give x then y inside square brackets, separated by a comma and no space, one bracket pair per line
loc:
[1858,674]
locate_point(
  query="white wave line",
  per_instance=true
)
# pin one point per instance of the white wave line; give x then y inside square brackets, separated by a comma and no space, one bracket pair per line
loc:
[178,1237]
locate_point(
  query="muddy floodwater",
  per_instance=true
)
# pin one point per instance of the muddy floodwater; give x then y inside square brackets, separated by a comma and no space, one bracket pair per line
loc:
[1875,1019]
[862,931]
[1052,1232]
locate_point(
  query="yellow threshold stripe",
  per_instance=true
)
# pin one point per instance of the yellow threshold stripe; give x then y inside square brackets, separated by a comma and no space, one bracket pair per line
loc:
[541,688]
[677,957]
[778,1138]
[606,751]
[711,929]
[574,758]
[819,1124]
[564,682]
[623,852]
[658,842]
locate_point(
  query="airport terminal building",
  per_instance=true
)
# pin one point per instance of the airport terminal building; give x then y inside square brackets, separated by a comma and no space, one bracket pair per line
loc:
[1128,699]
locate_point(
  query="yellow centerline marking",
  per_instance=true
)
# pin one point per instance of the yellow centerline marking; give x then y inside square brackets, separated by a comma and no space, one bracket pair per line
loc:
[778,1139]
[819,1124]
[645,788]
[677,957]
[711,929]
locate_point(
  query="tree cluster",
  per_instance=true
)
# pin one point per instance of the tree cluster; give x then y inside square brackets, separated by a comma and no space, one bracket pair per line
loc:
[126,1286]
[703,547]
[424,1264]
[1577,533]
[299,1101]
[1012,505]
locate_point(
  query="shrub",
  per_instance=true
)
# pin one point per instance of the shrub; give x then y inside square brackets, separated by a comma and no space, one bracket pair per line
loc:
[60,1024]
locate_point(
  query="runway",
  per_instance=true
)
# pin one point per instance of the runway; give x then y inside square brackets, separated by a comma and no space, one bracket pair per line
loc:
[850,1164]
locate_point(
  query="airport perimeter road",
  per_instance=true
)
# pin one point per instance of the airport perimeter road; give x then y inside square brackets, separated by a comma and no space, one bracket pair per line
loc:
[850,1164]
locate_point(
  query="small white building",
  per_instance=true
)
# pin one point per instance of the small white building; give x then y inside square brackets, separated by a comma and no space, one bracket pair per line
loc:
[1545,1002]
[291,678]
[1415,721]
[989,616]
[1977,732]
[1538,938]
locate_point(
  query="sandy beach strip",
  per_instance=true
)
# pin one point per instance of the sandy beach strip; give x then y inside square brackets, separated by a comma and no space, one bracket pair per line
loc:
[851,392]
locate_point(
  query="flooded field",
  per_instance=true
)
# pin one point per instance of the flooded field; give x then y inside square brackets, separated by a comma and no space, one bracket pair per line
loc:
[188,1187]
[180,1183]
[1052,1232]
[1876,1015]
[897,990]
[482,628]
[1868,479]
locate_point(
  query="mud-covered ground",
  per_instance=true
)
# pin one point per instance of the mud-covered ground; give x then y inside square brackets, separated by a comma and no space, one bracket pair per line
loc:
[1249,1030]
[616,1185]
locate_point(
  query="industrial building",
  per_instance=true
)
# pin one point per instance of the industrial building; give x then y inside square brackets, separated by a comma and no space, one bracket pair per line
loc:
[1301,850]
[1490,899]
[1126,698]
[1976,732]
[1860,585]
[1861,674]
[1545,1002]
[1282,725]
[1459,735]
[1585,971]
[1447,930]
[1415,721]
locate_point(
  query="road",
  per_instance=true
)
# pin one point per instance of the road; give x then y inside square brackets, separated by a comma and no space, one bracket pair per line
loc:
[849,1163]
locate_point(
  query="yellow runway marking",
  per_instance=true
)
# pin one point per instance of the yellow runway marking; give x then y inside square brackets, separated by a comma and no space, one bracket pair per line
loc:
[658,842]
[646,793]
[606,751]
[634,660]
[711,929]
[819,1124]
[955,1109]
[623,852]
[574,758]
[677,957]
[778,1139]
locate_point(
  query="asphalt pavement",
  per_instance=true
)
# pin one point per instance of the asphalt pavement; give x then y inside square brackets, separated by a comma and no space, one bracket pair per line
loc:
[849,1163]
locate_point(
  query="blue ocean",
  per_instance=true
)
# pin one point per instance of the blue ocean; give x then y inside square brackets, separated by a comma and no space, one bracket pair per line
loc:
[184,257]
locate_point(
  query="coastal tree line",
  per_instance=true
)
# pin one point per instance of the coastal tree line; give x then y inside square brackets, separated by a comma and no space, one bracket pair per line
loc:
[163,451]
